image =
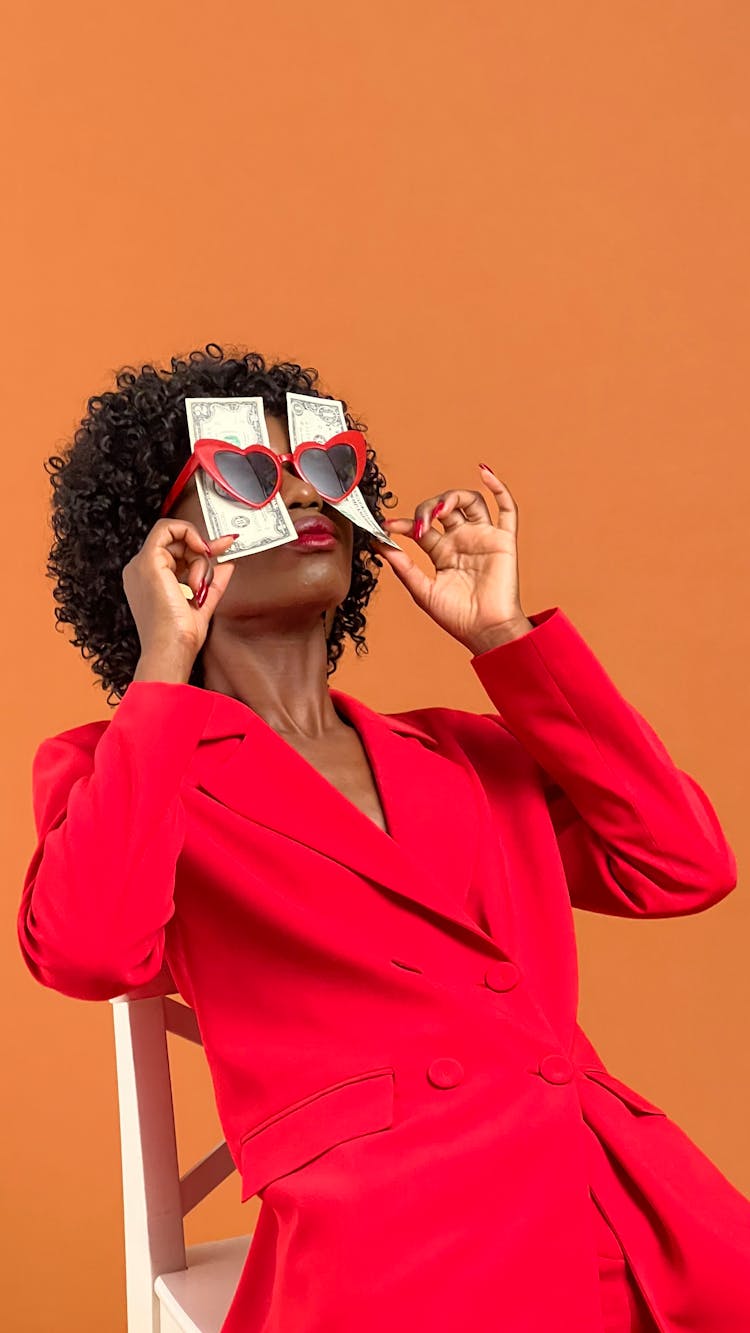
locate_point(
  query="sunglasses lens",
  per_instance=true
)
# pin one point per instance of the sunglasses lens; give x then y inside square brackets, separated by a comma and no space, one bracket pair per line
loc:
[253,475]
[330,471]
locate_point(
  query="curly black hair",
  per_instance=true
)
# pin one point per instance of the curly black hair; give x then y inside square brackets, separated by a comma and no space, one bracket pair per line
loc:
[109,484]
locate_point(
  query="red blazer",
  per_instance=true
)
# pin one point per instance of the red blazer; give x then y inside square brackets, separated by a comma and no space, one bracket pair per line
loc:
[390,1018]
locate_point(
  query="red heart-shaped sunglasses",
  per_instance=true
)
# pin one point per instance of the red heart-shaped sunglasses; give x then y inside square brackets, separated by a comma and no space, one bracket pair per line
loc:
[253,475]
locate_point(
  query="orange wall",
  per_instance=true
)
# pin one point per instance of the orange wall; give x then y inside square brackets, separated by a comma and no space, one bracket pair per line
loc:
[507,232]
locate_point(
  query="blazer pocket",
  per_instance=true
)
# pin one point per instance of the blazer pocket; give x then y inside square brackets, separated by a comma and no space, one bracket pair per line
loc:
[635,1100]
[302,1131]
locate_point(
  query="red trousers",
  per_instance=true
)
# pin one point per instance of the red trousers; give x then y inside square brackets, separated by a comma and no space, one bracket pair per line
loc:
[624,1309]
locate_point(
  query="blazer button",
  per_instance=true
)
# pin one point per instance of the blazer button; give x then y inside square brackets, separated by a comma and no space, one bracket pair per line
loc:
[501,976]
[556,1069]
[445,1072]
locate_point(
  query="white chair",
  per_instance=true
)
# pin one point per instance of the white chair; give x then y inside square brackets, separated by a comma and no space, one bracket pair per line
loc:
[171,1288]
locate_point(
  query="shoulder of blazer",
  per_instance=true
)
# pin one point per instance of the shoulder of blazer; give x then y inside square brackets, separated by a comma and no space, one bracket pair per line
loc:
[66,751]
[482,741]
[83,737]
[438,723]
[57,762]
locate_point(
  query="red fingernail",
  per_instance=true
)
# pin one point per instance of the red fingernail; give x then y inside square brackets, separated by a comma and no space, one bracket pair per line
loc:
[417,529]
[202,593]
[487,468]
[437,509]
[207,548]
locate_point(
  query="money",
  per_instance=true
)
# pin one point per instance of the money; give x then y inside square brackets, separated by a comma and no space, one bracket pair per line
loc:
[239,421]
[312,418]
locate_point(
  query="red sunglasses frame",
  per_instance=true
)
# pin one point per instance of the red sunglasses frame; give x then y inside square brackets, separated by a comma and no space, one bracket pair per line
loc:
[206,449]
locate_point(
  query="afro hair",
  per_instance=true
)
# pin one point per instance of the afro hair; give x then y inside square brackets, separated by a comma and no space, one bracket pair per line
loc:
[109,483]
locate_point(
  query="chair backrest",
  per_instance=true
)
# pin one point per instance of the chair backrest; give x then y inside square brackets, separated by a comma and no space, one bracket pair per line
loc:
[155,1197]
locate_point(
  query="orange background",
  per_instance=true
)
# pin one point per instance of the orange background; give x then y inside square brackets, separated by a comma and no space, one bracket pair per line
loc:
[512,233]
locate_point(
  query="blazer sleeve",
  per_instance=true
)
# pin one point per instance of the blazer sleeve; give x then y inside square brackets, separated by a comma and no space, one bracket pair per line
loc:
[110,824]
[637,835]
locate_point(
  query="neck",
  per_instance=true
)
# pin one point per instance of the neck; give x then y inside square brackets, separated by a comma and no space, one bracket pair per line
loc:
[279,673]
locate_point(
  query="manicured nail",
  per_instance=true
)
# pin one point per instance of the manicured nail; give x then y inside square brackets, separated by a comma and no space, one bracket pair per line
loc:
[202,593]
[486,467]
[437,509]
[417,529]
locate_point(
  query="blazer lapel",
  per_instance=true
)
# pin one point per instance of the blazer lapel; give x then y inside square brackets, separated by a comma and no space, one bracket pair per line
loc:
[428,801]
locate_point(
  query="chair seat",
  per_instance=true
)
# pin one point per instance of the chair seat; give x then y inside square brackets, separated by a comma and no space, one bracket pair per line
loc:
[196,1299]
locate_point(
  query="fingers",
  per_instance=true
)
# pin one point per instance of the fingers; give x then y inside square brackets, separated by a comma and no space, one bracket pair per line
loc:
[208,585]
[198,578]
[181,541]
[455,508]
[212,590]
[452,509]
[507,507]
[406,569]
[217,545]
[202,581]
[168,532]
[178,536]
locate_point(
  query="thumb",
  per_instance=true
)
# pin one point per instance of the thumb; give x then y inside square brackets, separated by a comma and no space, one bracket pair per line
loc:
[408,572]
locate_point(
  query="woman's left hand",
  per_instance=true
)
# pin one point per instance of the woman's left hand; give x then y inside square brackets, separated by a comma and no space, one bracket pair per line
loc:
[475,592]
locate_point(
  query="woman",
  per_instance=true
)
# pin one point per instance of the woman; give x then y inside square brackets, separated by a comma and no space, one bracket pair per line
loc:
[370,913]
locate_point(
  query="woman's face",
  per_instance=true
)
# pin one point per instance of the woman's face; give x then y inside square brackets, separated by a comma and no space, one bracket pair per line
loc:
[286,578]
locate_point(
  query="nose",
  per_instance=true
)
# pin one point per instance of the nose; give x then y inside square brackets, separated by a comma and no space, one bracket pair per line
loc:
[296,490]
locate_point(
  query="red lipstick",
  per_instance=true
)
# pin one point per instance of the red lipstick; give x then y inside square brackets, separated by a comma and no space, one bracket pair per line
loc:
[316,534]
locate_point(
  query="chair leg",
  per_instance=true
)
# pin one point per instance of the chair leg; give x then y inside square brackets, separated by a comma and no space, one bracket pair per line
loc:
[167,1322]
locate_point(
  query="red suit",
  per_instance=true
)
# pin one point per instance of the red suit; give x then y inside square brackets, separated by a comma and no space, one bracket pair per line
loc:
[390,1018]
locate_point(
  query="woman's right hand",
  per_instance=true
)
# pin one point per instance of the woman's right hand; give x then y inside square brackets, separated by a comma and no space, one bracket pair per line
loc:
[173,554]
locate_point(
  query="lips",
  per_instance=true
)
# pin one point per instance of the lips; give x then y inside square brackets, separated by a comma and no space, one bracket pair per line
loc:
[315,527]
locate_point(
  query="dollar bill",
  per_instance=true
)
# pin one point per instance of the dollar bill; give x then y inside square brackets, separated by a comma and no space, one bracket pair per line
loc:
[312,418]
[239,421]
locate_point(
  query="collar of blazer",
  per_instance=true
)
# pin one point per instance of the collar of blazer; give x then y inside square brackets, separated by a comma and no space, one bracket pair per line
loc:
[428,795]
